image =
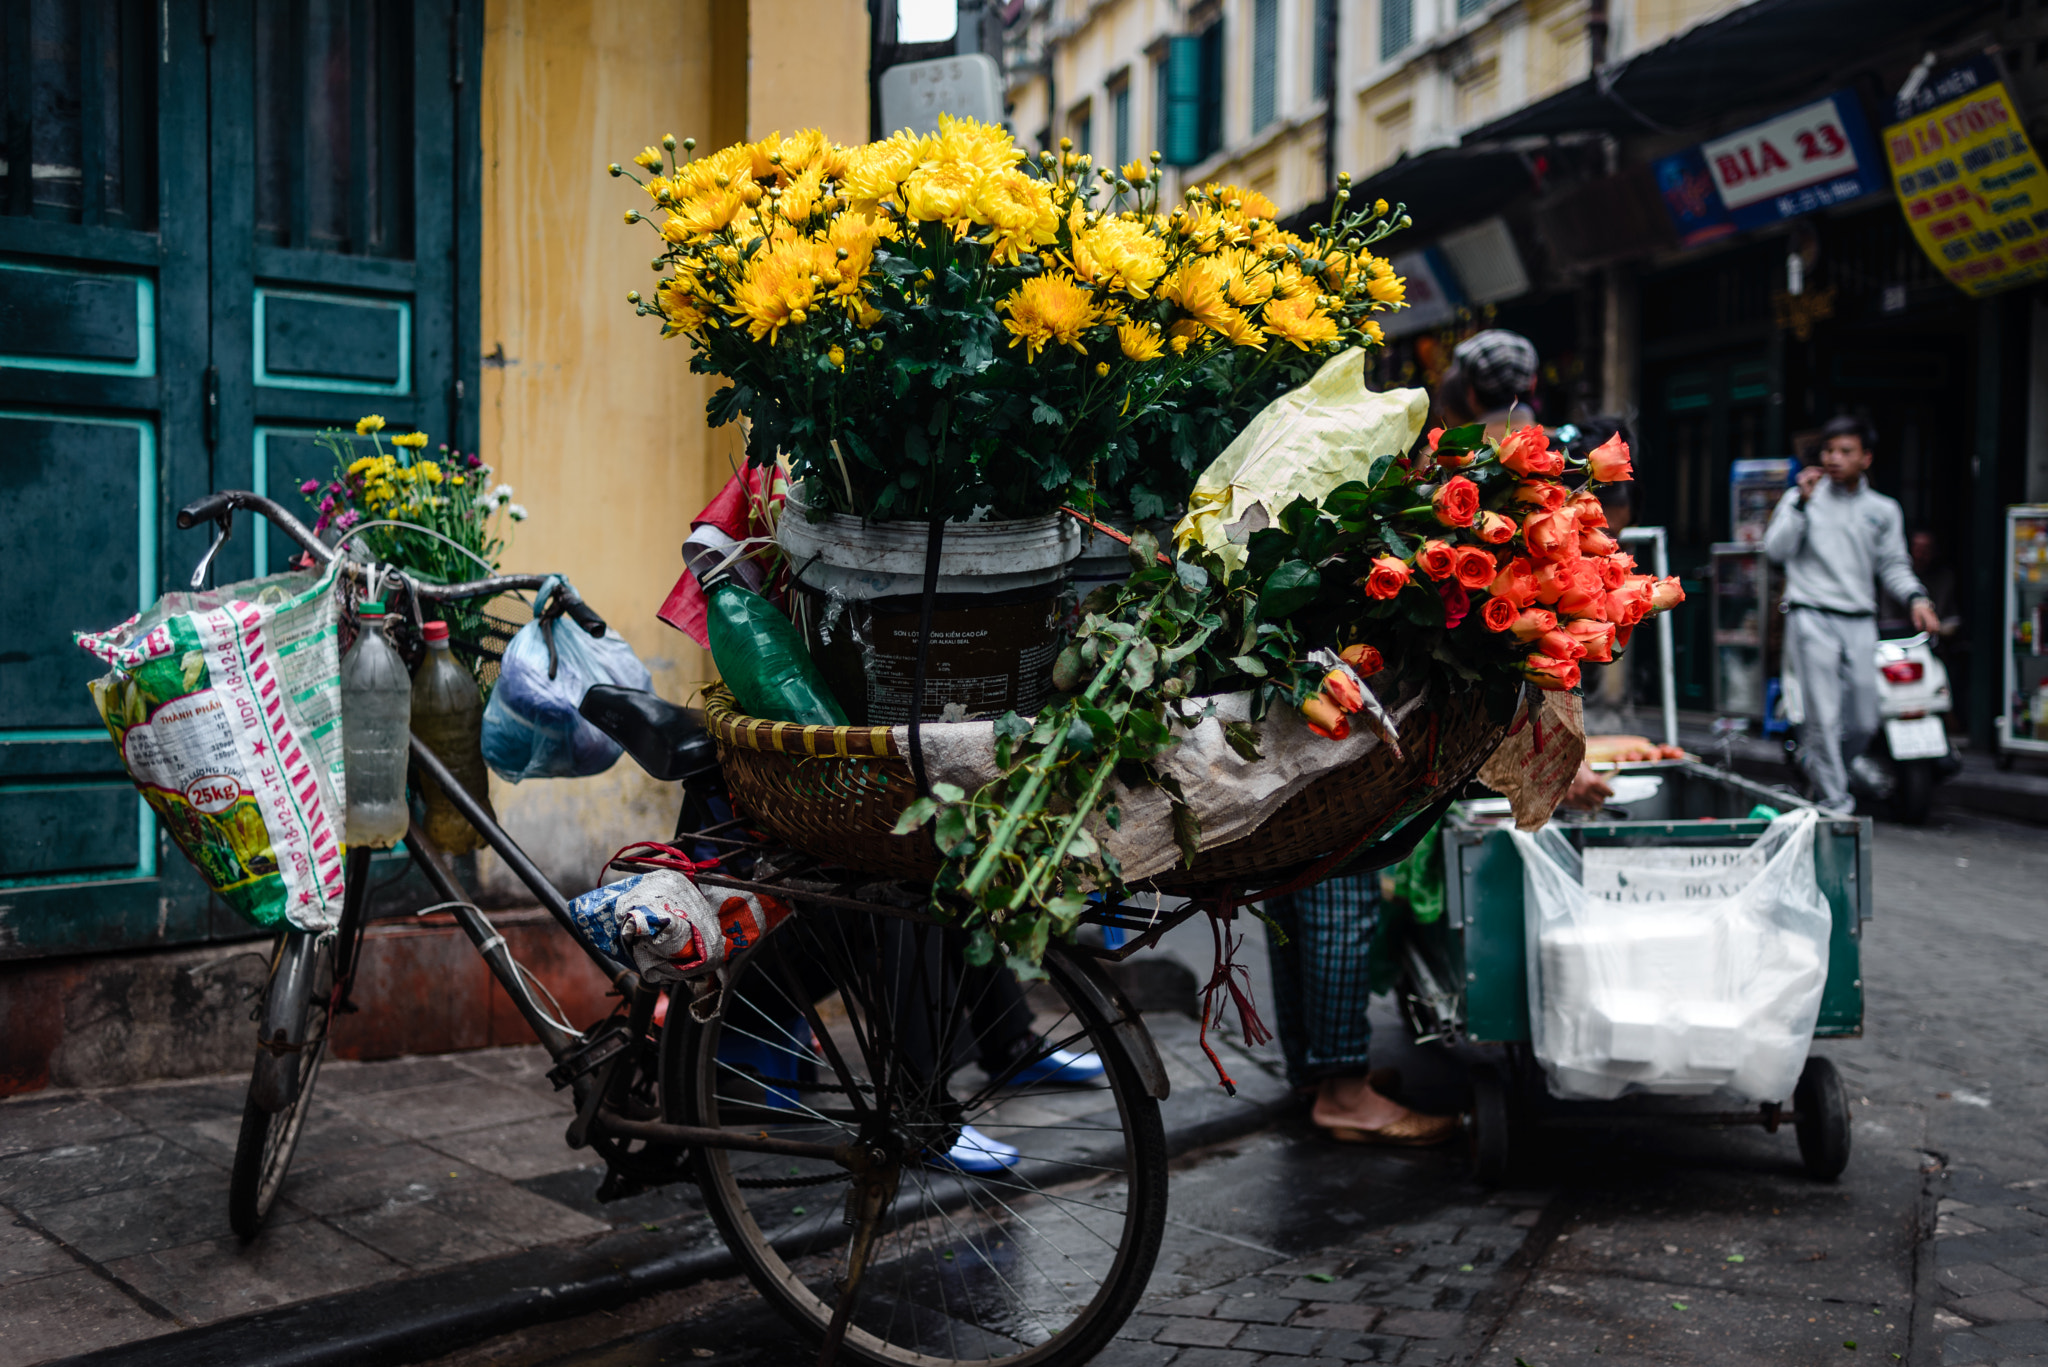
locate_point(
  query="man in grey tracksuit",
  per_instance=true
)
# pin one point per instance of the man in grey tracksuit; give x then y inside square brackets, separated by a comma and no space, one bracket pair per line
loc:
[1836,536]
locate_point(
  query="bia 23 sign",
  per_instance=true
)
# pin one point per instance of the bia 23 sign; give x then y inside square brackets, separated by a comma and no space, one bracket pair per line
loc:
[1969,180]
[1801,161]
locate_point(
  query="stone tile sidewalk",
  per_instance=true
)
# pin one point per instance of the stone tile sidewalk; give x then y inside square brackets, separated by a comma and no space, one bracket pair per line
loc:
[113,1203]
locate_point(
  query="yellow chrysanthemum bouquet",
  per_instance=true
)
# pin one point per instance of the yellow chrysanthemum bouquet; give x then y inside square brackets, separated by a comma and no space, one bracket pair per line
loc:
[925,326]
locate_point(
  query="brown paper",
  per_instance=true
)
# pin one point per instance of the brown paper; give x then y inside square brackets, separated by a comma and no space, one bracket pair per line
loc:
[1535,765]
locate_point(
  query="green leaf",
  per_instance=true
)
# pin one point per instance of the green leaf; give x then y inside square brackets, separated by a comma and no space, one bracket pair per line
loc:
[1288,589]
[947,792]
[1249,664]
[1322,1277]
[1396,544]
[915,815]
[1009,726]
[1243,740]
[950,831]
[1187,833]
[1041,411]
[1462,438]
[980,948]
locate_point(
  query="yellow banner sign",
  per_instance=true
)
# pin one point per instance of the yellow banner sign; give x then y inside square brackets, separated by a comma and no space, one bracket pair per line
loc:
[1970,182]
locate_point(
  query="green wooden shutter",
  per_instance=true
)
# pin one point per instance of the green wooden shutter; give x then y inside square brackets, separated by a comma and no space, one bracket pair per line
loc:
[1265,62]
[132,273]
[1182,124]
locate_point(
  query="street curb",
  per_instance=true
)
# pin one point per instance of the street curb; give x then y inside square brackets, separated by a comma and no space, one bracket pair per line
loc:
[412,1319]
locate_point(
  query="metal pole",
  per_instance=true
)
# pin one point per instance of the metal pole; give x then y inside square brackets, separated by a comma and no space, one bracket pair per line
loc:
[1667,682]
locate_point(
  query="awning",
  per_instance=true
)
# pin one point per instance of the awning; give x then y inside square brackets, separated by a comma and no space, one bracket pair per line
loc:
[1765,52]
[1443,188]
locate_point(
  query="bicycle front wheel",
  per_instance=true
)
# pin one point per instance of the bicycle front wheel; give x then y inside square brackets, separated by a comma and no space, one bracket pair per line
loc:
[277,1106]
[1025,1191]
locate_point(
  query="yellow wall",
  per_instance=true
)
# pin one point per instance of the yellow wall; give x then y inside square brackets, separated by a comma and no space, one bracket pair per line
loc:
[595,421]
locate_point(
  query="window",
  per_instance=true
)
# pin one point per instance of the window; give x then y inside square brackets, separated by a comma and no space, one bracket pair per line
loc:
[1325,72]
[1120,124]
[1468,8]
[1081,126]
[1265,62]
[1397,26]
[1191,119]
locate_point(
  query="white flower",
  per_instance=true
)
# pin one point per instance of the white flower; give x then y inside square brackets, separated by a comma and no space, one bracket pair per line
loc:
[518,512]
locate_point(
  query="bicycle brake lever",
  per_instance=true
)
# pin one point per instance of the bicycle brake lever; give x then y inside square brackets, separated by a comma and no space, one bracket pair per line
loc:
[224,520]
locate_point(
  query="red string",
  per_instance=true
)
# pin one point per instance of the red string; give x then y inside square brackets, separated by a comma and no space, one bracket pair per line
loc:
[661,857]
[1108,531]
[1225,975]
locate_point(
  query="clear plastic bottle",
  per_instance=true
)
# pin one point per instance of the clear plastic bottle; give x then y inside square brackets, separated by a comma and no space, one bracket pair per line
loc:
[448,715]
[762,659]
[376,713]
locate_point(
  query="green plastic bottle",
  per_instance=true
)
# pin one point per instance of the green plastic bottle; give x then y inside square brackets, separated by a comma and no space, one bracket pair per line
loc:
[763,661]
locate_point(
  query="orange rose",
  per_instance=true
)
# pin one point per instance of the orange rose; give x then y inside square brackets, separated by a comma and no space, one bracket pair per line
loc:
[1436,559]
[1597,639]
[1559,644]
[1551,580]
[1387,578]
[1457,502]
[1342,687]
[1436,434]
[1538,494]
[1614,569]
[1552,535]
[1593,541]
[1454,460]
[1526,451]
[1498,614]
[1496,529]
[1474,568]
[1621,635]
[1630,603]
[1582,601]
[1533,622]
[1591,514]
[1551,674]
[1324,718]
[1666,595]
[1609,462]
[1515,582]
[1363,659]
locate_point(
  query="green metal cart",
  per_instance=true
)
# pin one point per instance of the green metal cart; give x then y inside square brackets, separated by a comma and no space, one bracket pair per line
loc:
[1464,976]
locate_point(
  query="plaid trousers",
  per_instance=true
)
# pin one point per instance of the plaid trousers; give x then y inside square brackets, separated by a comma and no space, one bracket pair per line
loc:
[1320,983]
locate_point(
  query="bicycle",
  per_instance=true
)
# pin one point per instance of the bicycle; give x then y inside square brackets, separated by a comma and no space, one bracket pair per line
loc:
[892,1172]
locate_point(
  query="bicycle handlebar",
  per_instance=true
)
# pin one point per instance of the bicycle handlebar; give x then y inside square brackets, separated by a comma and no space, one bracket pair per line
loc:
[222,503]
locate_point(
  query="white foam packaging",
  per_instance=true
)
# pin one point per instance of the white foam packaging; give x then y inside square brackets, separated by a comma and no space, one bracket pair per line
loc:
[1675,970]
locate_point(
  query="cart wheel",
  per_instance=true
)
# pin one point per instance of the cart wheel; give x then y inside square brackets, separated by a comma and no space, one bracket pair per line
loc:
[1822,1108]
[1491,1124]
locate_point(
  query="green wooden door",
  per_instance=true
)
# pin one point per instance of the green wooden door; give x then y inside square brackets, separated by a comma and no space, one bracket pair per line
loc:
[223,225]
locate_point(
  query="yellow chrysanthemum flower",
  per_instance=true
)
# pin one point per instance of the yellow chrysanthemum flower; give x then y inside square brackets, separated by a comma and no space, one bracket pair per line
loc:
[372,423]
[1197,288]
[1372,332]
[650,157]
[1136,171]
[1385,286]
[1119,254]
[836,354]
[701,217]
[1048,309]
[1140,341]
[801,196]
[682,307]
[1300,322]
[940,192]
[1238,330]
[874,172]
[1018,211]
[776,291]
[1251,280]
[969,142]
[1250,203]
[415,440]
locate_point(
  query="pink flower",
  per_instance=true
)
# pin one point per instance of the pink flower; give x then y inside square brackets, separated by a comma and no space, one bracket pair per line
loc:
[309,486]
[1457,602]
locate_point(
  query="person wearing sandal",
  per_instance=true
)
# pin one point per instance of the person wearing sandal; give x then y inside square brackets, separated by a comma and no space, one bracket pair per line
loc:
[1320,995]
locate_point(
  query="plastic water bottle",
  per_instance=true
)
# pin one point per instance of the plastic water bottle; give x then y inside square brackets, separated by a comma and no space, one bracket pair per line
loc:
[376,712]
[762,659]
[448,715]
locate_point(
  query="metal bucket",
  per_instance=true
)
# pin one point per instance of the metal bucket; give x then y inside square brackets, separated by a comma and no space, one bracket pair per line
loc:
[998,619]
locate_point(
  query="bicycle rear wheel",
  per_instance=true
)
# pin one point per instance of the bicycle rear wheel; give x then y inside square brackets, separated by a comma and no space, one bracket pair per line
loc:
[276,1109]
[841,1028]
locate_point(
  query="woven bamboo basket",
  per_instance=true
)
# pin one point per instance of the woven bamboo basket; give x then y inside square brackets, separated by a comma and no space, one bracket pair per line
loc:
[835,793]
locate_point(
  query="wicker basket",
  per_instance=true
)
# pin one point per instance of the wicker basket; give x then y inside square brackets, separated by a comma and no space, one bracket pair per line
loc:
[835,793]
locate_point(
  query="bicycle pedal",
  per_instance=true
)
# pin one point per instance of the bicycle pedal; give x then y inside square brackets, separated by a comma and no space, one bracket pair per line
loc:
[596,1051]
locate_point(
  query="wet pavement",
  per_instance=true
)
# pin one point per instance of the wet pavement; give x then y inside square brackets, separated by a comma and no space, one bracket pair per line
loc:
[1630,1246]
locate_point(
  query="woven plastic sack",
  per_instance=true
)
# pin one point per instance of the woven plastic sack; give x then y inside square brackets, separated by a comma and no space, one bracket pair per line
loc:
[531,726]
[226,706]
[1675,970]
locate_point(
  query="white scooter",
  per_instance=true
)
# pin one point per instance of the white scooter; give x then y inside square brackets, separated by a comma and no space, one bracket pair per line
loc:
[1911,753]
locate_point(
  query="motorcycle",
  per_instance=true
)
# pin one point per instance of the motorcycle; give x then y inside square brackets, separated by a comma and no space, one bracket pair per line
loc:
[1910,753]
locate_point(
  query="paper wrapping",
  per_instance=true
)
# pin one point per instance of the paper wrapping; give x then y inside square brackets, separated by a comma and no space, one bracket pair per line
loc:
[1304,444]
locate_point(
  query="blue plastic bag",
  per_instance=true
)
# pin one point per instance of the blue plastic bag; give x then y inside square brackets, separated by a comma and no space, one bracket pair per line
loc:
[531,726]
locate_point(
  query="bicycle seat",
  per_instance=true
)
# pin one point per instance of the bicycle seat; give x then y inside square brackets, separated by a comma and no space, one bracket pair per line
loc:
[668,741]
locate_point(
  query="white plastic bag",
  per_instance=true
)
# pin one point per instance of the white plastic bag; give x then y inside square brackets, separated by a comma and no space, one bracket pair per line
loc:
[670,929]
[531,726]
[227,707]
[1675,970]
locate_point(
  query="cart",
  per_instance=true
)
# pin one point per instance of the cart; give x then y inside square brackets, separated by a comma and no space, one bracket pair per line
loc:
[1464,976]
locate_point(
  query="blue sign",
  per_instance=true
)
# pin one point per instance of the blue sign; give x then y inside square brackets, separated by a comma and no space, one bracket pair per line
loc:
[1799,162]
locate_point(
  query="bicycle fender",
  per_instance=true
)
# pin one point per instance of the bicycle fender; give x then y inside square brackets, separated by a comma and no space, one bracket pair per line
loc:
[274,1084]
[1129,1026]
